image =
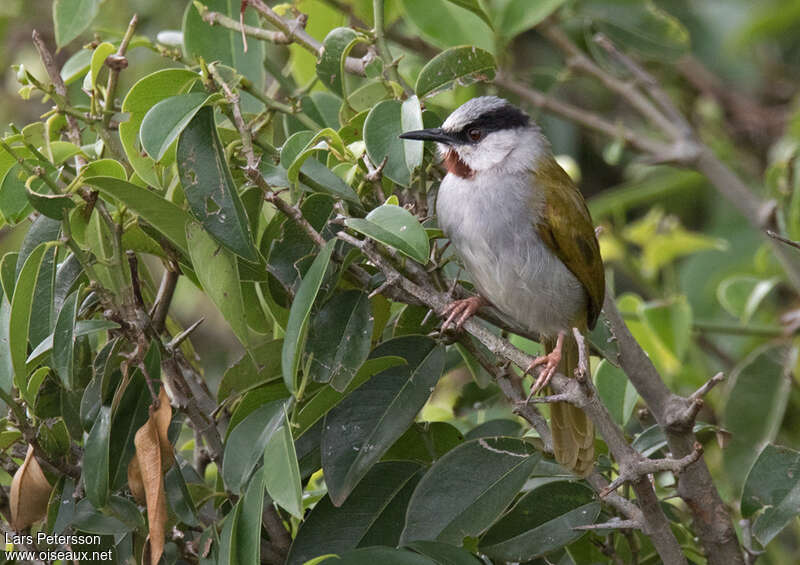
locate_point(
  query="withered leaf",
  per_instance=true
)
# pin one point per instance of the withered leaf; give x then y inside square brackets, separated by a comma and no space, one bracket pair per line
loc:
[30,493]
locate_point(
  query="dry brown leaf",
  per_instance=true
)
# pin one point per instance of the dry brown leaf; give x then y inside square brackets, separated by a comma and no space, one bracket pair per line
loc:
[135,481]
[153,457]
[30,493]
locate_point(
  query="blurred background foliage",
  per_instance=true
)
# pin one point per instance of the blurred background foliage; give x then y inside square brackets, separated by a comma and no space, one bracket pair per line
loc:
[700,288]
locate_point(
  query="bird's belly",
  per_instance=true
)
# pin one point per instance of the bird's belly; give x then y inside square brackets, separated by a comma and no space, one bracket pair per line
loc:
[510,265]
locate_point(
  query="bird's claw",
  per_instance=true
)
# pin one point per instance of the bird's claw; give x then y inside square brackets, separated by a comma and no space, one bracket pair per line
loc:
[459,311]
[550,362]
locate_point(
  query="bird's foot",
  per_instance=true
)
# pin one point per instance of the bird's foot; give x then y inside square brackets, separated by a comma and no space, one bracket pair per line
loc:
[550,362]
[459,311]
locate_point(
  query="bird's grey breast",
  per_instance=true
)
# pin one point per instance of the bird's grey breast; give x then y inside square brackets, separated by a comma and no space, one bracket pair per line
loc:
[491,220]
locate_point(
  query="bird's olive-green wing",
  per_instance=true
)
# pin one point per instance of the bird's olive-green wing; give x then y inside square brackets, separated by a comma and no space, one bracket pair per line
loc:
[566,228]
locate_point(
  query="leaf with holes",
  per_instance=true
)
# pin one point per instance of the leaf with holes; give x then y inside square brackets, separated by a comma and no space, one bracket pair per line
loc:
[209,186]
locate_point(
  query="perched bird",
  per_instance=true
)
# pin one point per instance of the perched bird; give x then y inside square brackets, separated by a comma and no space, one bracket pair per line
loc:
[525,235]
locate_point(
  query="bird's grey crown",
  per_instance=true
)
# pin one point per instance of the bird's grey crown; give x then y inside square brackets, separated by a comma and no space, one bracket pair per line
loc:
[488,112]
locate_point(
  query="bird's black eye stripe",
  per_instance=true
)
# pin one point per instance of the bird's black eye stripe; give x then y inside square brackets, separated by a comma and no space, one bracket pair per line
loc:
[505,117]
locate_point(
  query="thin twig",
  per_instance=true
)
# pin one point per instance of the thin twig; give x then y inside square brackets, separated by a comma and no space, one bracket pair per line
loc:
[115,64]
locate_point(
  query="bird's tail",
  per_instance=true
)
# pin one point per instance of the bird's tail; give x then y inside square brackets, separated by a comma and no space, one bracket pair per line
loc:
[573,432]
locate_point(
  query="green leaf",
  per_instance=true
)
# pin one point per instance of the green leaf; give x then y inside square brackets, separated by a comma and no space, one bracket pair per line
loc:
[515,16]
[361,519]
[466,490]
[328,397]
[99,55]
[105,168]
[339,338]
[425,442]
[216,43]
[384,123]
[163,215]
[653,439]
[51,205]
[260,366]
[773,484]
[296,328]
[638,25]
[396,227]
[741,295]
[209,187]
[164,122]
[616,391]
[759,391]
[64,340]
[130,415]
[543,520]
[82,327]
[248,532]
[445,25]
[474,7]
[142,96]
[382,555]
[281,472]
[72,17]
[90,520]
[411,118]
[335,48]
[245,444]
[228,545]
[14,205]
[20,315]
[76,66]
[462,65]
[218,273]
[671,321]
[443,553]
[178,496]
[363,426]
[95,459]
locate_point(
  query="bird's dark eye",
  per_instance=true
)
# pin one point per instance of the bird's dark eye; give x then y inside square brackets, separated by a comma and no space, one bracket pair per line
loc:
[475,134]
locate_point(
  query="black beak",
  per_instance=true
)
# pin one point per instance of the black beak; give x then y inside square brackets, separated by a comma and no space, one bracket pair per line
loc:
[431,134]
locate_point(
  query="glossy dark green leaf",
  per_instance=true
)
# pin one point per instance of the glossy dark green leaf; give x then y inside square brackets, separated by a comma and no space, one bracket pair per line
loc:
[319,405]
[95,459]
[382,555]
[130,415]
[616,391]
[384,123]
[147,92]
[466,490]
[331,529]
[262,365]
[653,439]
[51,205]
[773,484]
[543,520]
[424,442]
[297,327]
[335,48]
[178,496]
[90,520]
[227,546]
[495,428]
[42,315]
[396,227]
[461,65]
[363,426]
[218,273]
[217,43]
[248,531]
[82,327]
[245,444]
[20,315]
[72,17]
[164,122]
[14,205]
[444,554]
[64,340]
[209,187]
[281,471]
[759,391]
[163,215]
[339,338]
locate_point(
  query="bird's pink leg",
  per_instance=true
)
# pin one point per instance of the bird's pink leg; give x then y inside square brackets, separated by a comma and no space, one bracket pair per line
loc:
[459,311]
[550,362]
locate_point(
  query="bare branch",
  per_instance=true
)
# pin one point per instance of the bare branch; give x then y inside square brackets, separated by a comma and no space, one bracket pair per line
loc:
[613,524]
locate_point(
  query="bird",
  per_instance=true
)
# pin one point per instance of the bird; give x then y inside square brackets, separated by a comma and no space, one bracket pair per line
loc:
[525,235]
